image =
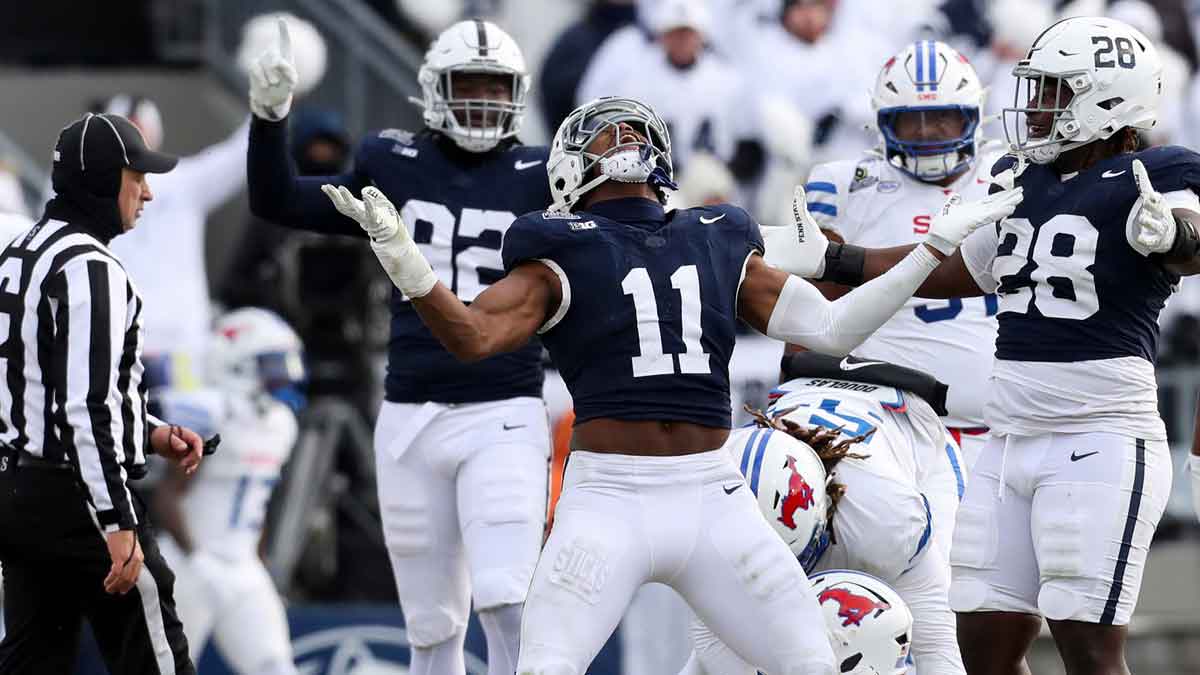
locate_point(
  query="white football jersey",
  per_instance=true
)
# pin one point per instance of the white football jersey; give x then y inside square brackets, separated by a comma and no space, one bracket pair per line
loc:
[705,106]
[871,203]
[226,501]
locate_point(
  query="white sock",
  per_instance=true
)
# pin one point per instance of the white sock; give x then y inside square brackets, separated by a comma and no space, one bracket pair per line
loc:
[502,628]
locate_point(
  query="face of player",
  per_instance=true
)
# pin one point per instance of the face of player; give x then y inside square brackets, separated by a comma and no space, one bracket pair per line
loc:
[808,19]
[480,87]
[1051,94]
[930,125]
[621,134]
[683,46]
[135,192]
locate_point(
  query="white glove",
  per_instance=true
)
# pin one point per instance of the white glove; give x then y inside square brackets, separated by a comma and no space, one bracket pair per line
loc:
[797,249]
[1194,463]
[390,239]
[1151,229]
[958,219]
[273,79]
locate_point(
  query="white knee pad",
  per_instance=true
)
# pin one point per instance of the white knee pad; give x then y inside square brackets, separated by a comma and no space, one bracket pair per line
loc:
[974,542]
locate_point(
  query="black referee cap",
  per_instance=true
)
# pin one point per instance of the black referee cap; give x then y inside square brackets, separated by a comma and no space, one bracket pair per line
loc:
[101,143]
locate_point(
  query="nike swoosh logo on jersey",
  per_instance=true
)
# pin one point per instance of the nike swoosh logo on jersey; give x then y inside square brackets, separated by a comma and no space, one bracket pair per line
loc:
[515,426]
[708,221]
[1112,174]
[521,166]
[731,490]
[846,365]
[1075,456]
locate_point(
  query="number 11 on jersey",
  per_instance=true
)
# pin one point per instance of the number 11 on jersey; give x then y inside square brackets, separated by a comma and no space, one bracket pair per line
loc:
[651,359]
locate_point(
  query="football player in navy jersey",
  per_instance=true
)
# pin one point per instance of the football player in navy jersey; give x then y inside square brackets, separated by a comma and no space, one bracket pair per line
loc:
[461,449]
[638,307]
[1064,500]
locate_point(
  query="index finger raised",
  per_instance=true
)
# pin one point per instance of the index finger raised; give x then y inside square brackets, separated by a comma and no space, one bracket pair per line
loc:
[285,40]
[1142,178]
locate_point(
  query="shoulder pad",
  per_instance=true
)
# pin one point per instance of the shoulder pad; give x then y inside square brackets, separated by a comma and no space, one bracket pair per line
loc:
[397,135]
[538,234]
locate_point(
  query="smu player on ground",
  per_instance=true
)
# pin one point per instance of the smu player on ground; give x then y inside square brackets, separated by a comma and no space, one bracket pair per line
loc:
[896,493]
[215,518]
[461,450]
[1077,473]
[927,101]
[594,275]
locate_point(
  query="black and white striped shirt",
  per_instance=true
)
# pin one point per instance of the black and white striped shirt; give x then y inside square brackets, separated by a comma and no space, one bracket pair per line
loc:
[72,362]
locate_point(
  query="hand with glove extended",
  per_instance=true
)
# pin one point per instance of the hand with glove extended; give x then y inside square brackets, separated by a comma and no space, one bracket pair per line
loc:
[1151,228]
[799,248]
[273,79]
[958,219]
[390,238]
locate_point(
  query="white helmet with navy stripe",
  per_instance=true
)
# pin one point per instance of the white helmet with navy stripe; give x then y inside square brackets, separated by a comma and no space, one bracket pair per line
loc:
[474,46]
[869,624]
[788,481]
[1083,79]
[929,83]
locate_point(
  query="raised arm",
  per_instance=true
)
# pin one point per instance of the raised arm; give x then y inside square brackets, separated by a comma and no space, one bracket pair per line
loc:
[502,318]
[277,194]
[788,308]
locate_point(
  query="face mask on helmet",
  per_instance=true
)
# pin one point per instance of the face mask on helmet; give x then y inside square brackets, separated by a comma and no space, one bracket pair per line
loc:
[1084,79]
[930,143]
[609,139]
[473,85]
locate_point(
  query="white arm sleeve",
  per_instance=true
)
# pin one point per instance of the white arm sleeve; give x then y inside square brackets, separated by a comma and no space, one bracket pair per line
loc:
[978,251]
[804,317]
[926,590]
[218,172]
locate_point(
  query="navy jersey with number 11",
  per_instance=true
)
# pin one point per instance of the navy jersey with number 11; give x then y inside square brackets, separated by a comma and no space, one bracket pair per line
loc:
[648,316]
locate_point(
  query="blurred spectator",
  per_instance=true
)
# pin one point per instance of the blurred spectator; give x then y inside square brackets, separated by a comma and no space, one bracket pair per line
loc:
[14,216]
[1144,17]
[568,58]
[1015,25]
[705,182]
[167,256]
[704,101]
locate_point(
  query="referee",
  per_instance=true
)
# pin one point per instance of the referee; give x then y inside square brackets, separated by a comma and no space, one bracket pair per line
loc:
[74,542]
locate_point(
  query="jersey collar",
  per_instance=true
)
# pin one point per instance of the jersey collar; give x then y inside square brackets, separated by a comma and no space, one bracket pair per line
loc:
[627,209]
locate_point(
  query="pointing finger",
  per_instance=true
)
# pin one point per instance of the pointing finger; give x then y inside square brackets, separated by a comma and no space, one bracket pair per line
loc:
[285,40]
[1142,179]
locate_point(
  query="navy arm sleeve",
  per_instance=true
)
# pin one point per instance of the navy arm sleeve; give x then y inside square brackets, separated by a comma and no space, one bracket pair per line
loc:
[281,196]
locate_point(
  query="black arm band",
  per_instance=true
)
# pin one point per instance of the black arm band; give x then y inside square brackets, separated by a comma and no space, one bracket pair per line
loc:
[844,264]
[1187,243]
[813,365]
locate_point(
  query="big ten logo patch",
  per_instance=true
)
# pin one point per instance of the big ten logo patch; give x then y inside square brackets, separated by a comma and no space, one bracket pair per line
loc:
[581,568]
[921,224]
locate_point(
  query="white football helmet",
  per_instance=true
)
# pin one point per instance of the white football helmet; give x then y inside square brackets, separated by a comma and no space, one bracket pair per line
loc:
[869,625]
[571,163]
[254,351]
[474,46]
[788,480]
[1105,76]
[928,77]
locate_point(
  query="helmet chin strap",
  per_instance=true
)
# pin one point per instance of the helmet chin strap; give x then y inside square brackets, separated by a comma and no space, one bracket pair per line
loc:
[628,166]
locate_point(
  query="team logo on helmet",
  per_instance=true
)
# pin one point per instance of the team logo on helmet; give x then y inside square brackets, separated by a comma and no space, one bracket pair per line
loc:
[853,606]
[799,496]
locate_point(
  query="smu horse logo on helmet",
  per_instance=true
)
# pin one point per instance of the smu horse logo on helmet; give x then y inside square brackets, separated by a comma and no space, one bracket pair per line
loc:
[853,607]
[799,496]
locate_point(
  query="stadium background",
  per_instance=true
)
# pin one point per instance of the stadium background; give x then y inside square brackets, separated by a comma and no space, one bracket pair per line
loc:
[324,545]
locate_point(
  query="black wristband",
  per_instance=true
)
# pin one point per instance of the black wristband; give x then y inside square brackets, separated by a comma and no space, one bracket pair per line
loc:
[844,264]
[1187,243]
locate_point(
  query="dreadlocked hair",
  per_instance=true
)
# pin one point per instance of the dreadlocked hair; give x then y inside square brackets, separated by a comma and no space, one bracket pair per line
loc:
[829,445]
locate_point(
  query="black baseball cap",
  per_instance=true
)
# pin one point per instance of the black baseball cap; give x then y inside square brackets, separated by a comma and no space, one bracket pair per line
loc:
[104,142]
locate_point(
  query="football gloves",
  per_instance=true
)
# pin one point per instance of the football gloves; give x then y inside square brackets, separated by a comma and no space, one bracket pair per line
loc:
[390,238]
[958,219]
[273,79]
[1151,229]
[799,248]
